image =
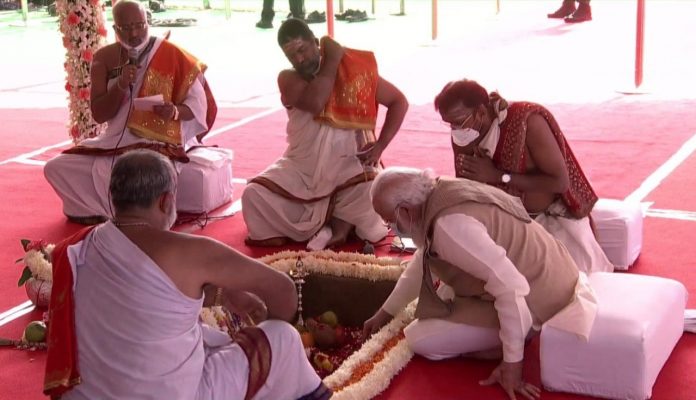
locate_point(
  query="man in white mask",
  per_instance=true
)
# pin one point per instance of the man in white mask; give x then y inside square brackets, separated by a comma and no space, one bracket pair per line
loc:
[520,148]
[137,65]
[501,274]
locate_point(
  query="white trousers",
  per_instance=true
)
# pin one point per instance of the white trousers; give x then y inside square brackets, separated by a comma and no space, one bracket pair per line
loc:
[437,339]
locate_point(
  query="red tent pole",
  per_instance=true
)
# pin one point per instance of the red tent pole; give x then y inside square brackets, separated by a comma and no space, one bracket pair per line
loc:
[330,17]
[640,30]
[434,3]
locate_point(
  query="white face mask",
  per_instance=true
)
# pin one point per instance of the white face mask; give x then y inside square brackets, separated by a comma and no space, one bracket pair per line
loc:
[462,137]
[394,229]
[139,48]
[394,226]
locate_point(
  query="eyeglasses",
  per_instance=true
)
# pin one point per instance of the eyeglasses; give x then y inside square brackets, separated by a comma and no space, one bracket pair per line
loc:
[457,125]
[131,27]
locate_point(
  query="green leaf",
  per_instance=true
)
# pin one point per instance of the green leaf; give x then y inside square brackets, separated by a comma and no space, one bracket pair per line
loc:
[25,243]
[26,275]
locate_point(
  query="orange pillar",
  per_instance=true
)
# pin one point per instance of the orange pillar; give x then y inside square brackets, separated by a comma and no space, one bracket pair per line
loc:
[330,17]
[640,31]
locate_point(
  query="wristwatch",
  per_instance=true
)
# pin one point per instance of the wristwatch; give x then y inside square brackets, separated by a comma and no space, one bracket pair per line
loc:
[505,178]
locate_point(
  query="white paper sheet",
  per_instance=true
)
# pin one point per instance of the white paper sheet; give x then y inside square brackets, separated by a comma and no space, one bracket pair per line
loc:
[146,103]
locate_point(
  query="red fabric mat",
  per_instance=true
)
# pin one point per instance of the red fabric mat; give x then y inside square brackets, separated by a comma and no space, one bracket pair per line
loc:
[616,143]
[31,210]
[22,370]
[47,128]
[673,193]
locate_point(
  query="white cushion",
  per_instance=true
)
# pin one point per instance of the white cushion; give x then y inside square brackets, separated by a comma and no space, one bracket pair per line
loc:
[619,228]
[639,321]
[205,182]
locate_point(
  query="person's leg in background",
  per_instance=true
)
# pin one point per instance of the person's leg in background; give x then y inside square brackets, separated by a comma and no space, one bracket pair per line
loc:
[297,8]
[267,15]
[582,14]
[570,14]
[567,8]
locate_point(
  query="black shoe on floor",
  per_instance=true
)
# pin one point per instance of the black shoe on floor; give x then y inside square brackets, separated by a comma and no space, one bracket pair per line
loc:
[345,15]
[358,16]
[264,24]
[300,17]
[316,17]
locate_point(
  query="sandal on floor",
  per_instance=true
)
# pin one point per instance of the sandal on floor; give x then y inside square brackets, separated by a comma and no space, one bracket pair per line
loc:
[358,16]
[346,14]
[315,17]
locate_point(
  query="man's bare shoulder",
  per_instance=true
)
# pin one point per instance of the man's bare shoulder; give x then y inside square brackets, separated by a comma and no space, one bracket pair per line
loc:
[537,125]
[108,55]
[108,50]
[291,86]
[288,76]
[181,241]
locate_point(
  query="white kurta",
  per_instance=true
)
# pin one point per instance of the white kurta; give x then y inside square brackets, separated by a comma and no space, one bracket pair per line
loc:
[318,159]
[456,239]
[82,181]
[577,236]
[139,337]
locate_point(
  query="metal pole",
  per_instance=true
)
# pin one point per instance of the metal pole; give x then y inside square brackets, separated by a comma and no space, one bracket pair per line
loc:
[228,10]
[640,31]
[402,7]
[434,4]
[373,6]
[497,6]
[340,6]
[25,11]
[330,18]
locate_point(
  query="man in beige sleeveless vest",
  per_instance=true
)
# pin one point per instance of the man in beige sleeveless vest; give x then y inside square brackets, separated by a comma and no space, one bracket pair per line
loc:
[502,275]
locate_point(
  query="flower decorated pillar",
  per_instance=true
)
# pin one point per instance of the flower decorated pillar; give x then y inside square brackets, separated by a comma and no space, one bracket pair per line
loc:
[82,24]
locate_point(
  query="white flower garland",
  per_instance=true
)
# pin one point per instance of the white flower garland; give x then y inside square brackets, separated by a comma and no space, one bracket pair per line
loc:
[375,381]
[214,317]
[364,267]
[343,264]
[40,268]
[82,24]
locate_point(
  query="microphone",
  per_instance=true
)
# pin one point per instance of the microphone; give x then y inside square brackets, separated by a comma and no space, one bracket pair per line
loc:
[132,56]
[132,60]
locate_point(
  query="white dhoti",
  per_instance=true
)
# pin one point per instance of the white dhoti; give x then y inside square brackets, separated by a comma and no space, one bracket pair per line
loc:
[318,160]
[577,236]
[226,369]
[139,337]
[82,181]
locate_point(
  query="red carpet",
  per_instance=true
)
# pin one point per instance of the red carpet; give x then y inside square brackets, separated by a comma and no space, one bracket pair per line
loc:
[615,142]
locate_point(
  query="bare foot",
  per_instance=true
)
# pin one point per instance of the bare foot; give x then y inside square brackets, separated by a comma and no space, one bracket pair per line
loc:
[321,239]
[340,230]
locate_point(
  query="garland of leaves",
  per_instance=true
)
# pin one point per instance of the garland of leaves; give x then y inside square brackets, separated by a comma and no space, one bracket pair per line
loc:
[82,24]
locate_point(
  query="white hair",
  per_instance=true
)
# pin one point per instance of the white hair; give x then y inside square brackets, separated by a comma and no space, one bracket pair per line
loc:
[402,185]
